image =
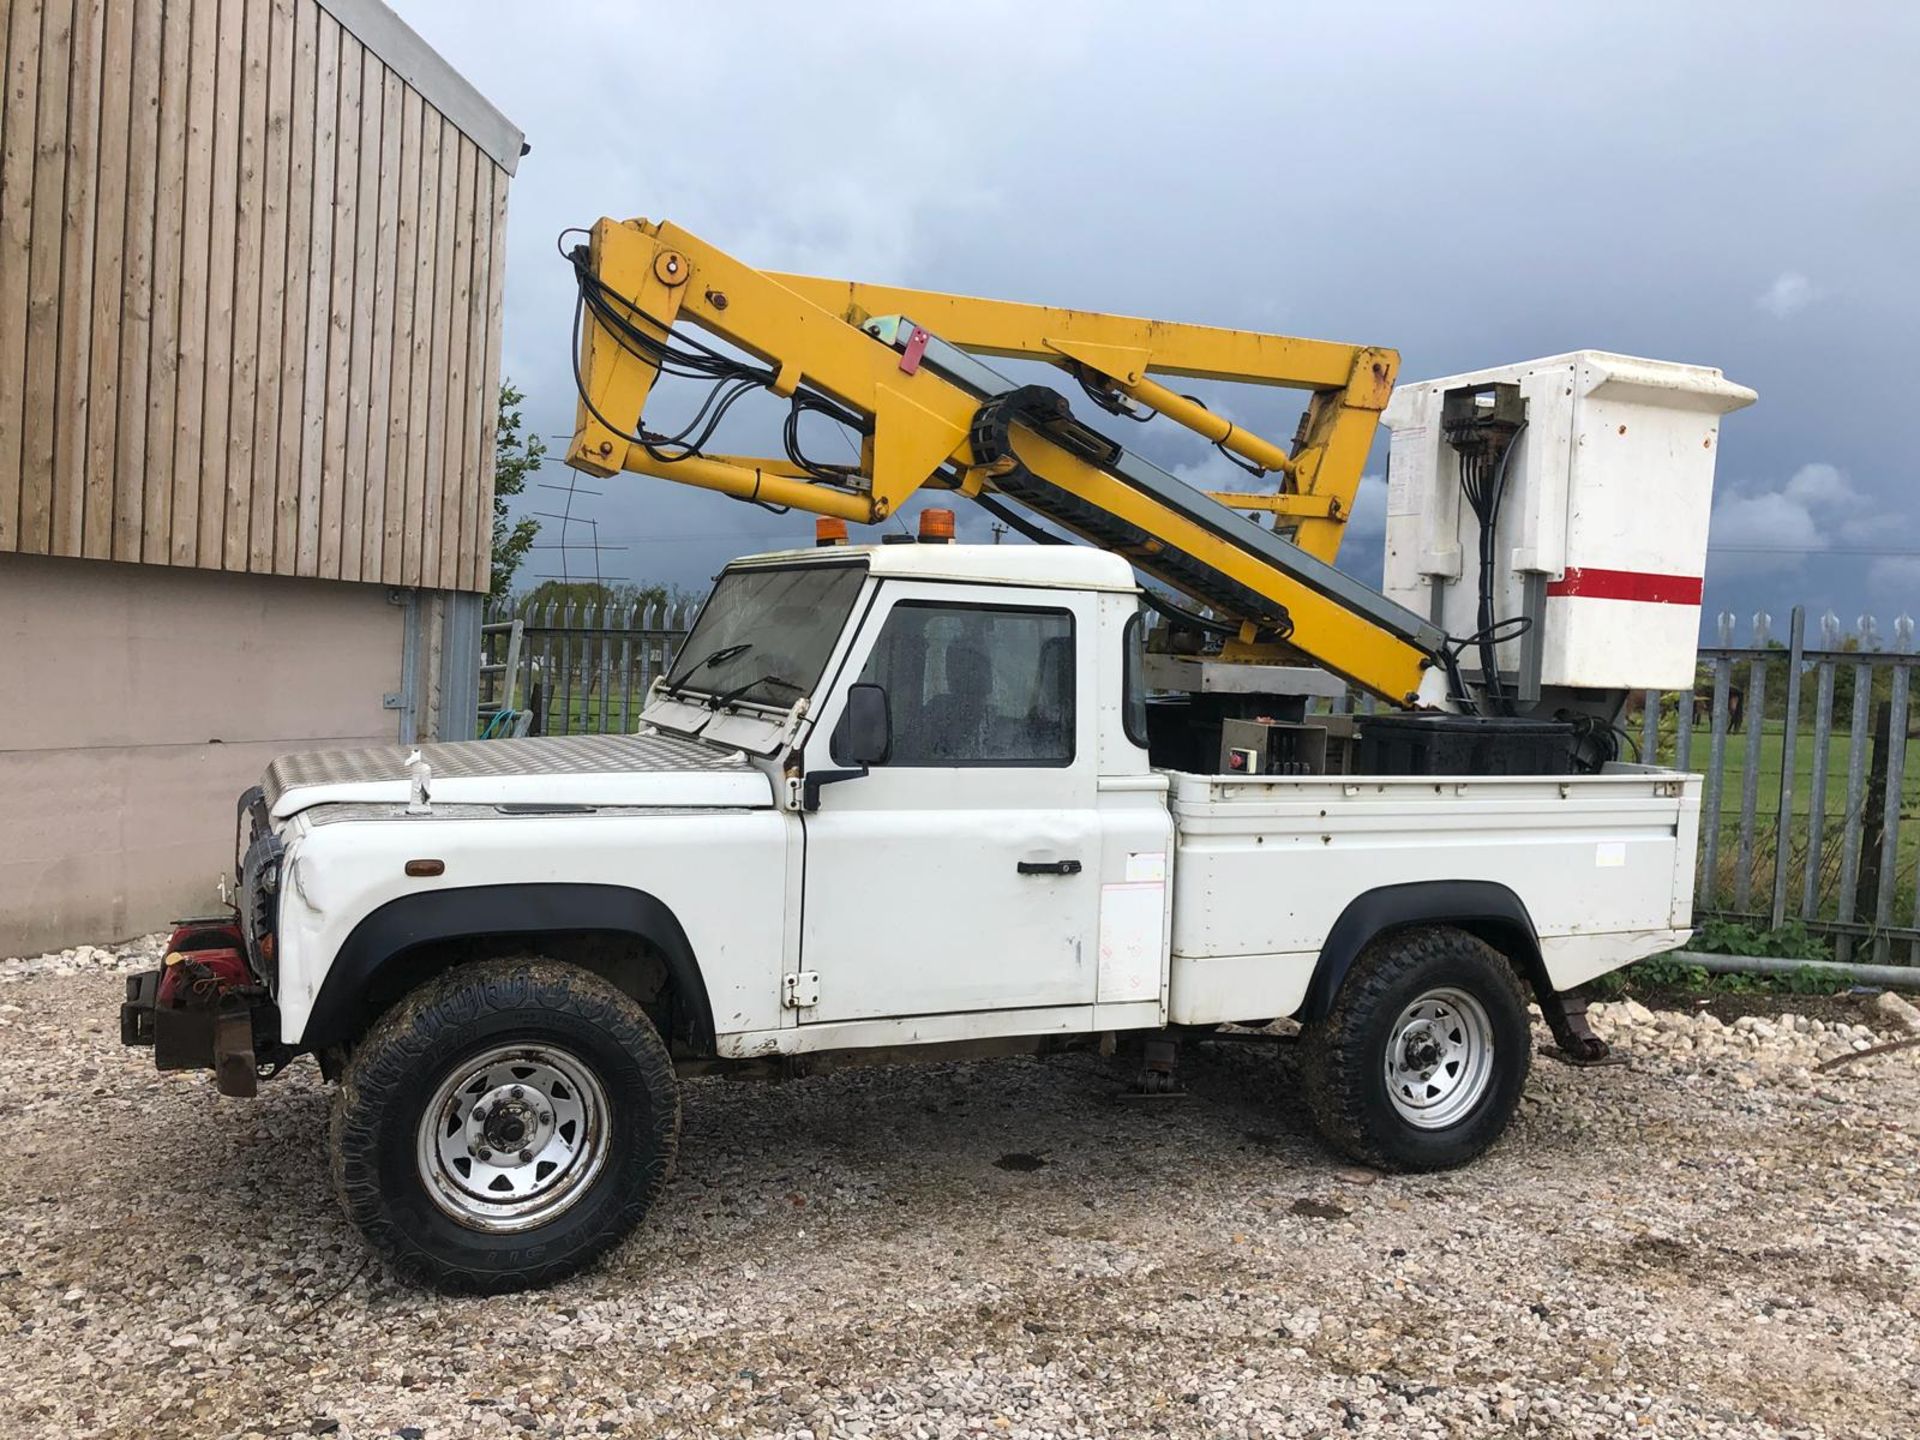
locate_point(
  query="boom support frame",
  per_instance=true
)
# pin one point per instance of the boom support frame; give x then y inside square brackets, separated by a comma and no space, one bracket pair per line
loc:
[908,362]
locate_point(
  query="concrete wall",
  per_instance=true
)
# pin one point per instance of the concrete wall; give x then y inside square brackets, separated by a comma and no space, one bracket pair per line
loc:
[136,703]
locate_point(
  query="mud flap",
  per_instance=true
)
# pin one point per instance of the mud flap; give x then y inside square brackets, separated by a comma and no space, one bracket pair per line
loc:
[219,1039]
[234,1071]
[1575,1042]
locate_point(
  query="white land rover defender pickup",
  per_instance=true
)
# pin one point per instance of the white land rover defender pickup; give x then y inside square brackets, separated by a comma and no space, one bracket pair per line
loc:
[507,951]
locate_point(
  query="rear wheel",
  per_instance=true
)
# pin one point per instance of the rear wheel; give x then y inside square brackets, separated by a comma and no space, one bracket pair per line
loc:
[504,1125]
[1420,1063]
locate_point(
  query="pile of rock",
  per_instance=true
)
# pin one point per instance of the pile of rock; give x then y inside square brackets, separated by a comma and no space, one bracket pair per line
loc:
[141,953]
[1788,1041]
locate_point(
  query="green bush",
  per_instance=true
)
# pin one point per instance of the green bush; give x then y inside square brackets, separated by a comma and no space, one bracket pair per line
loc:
[1792,941]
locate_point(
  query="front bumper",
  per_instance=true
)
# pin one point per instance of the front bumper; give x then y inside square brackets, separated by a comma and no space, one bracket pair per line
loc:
[219,1037]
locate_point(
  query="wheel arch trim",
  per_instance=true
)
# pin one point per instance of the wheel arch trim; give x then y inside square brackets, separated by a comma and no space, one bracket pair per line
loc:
[388,933]
[1483,908]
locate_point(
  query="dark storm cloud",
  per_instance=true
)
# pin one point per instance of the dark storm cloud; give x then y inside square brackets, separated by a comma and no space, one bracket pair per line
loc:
[1729,184]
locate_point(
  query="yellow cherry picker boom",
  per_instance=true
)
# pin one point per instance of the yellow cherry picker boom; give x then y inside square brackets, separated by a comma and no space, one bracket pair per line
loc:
[909,371]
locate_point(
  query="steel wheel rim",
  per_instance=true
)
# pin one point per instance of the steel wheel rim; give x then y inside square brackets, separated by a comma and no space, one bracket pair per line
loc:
[513,1137]
[1439,1058]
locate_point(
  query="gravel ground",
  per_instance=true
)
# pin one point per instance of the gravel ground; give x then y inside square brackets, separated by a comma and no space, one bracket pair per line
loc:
[1714,1239]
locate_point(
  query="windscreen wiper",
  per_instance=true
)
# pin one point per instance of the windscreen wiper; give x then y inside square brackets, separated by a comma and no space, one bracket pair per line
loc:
[714,702]
[718,657]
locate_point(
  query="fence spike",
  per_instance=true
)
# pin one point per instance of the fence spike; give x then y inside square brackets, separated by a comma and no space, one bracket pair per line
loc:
[1753,712]
[628,611]
[1825,673]
[1869,633]
[568,665]
[1789,764]
[1896,764]
[1726,629]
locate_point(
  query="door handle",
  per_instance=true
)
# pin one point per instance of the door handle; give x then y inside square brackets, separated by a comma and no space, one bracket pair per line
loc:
[1048,867]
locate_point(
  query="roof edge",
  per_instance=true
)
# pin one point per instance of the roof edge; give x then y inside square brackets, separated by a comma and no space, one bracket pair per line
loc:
[1076,567]
[401,49]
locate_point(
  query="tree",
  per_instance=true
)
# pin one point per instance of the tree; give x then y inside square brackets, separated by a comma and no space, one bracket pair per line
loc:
[514,458]
[589,595]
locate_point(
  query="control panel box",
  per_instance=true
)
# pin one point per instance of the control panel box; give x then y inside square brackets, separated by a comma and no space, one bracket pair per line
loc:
[1272,747]
[1601,527]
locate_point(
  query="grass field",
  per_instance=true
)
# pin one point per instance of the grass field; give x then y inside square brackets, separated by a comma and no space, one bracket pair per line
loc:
[1771,751]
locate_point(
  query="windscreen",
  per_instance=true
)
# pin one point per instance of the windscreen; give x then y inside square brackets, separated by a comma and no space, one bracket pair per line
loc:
[764,635]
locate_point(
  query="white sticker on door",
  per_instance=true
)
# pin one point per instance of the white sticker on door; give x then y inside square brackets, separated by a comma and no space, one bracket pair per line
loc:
[1130,952]
[1147,865]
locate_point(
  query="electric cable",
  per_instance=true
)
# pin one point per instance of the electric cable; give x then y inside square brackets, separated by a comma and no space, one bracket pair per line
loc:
[1018,522]
[1485,487]
[1255,470]
[692,359]
[1180,615]
[1110,402]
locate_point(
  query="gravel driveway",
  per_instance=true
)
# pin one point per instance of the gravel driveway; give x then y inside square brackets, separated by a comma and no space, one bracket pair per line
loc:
[1711,1240]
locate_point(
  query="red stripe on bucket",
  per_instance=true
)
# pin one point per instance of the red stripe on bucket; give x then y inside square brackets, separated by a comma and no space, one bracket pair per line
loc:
[1642,585]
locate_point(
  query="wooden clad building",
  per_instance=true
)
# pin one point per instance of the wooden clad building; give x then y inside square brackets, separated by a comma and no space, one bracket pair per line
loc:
[250,280]
[251,265]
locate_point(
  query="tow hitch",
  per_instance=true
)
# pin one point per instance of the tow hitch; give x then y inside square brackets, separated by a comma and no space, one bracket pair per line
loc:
[203,1010]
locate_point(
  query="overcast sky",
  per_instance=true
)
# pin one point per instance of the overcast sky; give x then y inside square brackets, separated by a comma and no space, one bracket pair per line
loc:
[1734,184]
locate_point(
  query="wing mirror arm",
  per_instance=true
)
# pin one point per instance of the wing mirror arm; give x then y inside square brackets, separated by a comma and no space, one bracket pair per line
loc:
[811,782]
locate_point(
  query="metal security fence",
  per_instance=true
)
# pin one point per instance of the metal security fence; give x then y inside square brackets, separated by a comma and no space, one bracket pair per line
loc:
[1810,812]
[1807,784]
[575,668]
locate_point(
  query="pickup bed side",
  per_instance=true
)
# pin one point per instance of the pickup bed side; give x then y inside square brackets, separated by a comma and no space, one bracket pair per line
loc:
[1265,869]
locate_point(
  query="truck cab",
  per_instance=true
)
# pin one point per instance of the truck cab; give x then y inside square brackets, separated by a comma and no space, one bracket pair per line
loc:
[957,861]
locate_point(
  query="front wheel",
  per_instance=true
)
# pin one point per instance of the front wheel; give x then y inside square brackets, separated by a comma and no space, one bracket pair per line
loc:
[504,1125]
[1420,1063]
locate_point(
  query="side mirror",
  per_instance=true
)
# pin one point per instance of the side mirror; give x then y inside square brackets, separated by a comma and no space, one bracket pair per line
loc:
[863,737]
[866,729]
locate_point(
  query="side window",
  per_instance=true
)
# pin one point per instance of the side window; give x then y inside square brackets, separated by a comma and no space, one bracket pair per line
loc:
[975,685]
[1133,680]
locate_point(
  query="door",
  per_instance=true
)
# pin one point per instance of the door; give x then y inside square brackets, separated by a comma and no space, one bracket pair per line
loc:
[961,874]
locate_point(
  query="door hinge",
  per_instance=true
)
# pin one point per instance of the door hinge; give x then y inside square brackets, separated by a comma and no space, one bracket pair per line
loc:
[801,991]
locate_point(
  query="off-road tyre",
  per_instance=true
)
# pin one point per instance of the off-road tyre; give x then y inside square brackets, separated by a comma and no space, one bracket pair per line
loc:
[470,1012]
[1345,1055]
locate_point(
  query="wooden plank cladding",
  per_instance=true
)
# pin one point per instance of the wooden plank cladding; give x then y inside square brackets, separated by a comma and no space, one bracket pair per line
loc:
[251,257]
